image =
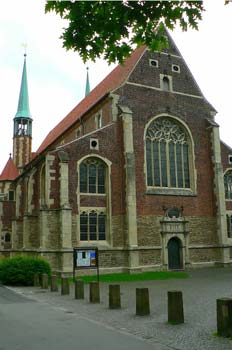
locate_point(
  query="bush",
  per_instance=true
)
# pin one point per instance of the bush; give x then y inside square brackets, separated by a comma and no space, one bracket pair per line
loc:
[19,270]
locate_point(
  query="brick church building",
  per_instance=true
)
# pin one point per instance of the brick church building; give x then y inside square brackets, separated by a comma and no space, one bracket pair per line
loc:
[136,169]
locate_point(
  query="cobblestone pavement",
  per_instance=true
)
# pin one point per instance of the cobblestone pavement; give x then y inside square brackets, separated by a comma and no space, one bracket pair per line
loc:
[200,292]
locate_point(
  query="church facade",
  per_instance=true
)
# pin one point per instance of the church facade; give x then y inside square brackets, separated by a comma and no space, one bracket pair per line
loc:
[136,169]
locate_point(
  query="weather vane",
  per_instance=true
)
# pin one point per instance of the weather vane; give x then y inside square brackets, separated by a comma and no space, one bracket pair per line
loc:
[24,45]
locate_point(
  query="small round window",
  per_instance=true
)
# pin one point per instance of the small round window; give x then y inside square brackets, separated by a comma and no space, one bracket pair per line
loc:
[175,68]
[154,63]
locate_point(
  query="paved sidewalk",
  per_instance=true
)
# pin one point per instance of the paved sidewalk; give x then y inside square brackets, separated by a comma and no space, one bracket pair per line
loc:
[200,292]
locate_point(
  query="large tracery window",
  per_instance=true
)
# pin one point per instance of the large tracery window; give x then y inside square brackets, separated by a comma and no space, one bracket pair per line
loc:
[228,184]
[167,154]
[92,226]
[92,176]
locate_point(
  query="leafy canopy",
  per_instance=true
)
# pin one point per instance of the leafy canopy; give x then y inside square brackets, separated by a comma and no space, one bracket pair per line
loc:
[113,29]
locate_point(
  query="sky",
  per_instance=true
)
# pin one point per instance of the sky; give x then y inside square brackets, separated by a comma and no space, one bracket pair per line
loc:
[56,77]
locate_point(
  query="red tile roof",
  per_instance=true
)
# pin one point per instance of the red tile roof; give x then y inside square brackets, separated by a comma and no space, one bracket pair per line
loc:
[10,172]
[116,78]
[33,155]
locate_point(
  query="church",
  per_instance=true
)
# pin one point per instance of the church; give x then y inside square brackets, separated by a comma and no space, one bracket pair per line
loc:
[136,169]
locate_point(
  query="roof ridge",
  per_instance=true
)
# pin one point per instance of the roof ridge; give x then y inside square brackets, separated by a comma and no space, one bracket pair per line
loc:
[113,80]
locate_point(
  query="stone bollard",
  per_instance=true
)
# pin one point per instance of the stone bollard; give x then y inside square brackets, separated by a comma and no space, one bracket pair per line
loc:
[54,285]
[36,280]
[224,317]
[79,289]
[64,286]
[114,296]
[175,307]
[94,293]
[142,302]
[44,281]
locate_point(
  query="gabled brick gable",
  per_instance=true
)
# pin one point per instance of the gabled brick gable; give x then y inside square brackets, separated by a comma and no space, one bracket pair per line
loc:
[114,80]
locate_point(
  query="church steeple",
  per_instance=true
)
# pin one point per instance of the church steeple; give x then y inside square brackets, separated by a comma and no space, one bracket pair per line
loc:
[87,86]
[23,104]
[22,124]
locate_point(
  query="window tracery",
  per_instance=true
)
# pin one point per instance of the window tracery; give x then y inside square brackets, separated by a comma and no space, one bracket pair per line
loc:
[92,176]
[167,154]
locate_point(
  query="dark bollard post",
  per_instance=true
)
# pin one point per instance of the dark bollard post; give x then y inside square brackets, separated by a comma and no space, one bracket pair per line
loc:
[94,293]
[224,317]
[44,281]
[36,280]
[175,307]
[79,289]
[114,296]
[142,302]
[64,286]
[54,285]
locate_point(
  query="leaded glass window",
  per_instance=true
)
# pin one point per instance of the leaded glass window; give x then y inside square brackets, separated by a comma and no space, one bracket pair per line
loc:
[92,226]
[167,154]
[228,184]
[92,176]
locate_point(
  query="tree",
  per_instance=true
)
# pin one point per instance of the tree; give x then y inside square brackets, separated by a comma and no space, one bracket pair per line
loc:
[113,29]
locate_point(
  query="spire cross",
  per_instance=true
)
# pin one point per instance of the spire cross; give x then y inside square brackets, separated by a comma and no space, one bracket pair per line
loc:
[24,45]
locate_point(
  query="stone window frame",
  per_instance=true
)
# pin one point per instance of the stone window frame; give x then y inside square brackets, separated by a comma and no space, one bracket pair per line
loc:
[162,86]
[107,194]
[94,143]
[192,190]
[99,120]
[173,69]
[153,60]
[229,170]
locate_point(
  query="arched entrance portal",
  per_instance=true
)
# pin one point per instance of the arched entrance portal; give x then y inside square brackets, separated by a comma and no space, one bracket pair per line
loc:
[175,261]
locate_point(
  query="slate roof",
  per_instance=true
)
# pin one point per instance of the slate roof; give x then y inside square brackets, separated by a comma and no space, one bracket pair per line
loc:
[10,172]
[116,78]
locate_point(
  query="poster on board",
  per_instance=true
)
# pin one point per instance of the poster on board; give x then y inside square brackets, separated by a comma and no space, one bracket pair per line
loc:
[86,258]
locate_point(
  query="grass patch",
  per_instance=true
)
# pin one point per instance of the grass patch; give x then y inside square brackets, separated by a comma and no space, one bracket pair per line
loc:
[126,277]
[174,323]
[215,334]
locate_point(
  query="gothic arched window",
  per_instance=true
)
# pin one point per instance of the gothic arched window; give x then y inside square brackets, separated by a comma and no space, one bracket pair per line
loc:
[92,226]
[7,237]
[92,176]
[167,154]
[228,184]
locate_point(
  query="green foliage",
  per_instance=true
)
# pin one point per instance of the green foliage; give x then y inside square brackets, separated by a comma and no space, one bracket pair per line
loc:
[20,270]
[126,277]
[113,29]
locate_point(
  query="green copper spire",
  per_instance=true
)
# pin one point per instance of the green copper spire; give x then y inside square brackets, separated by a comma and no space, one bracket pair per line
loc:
[23,104]
[87,87]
